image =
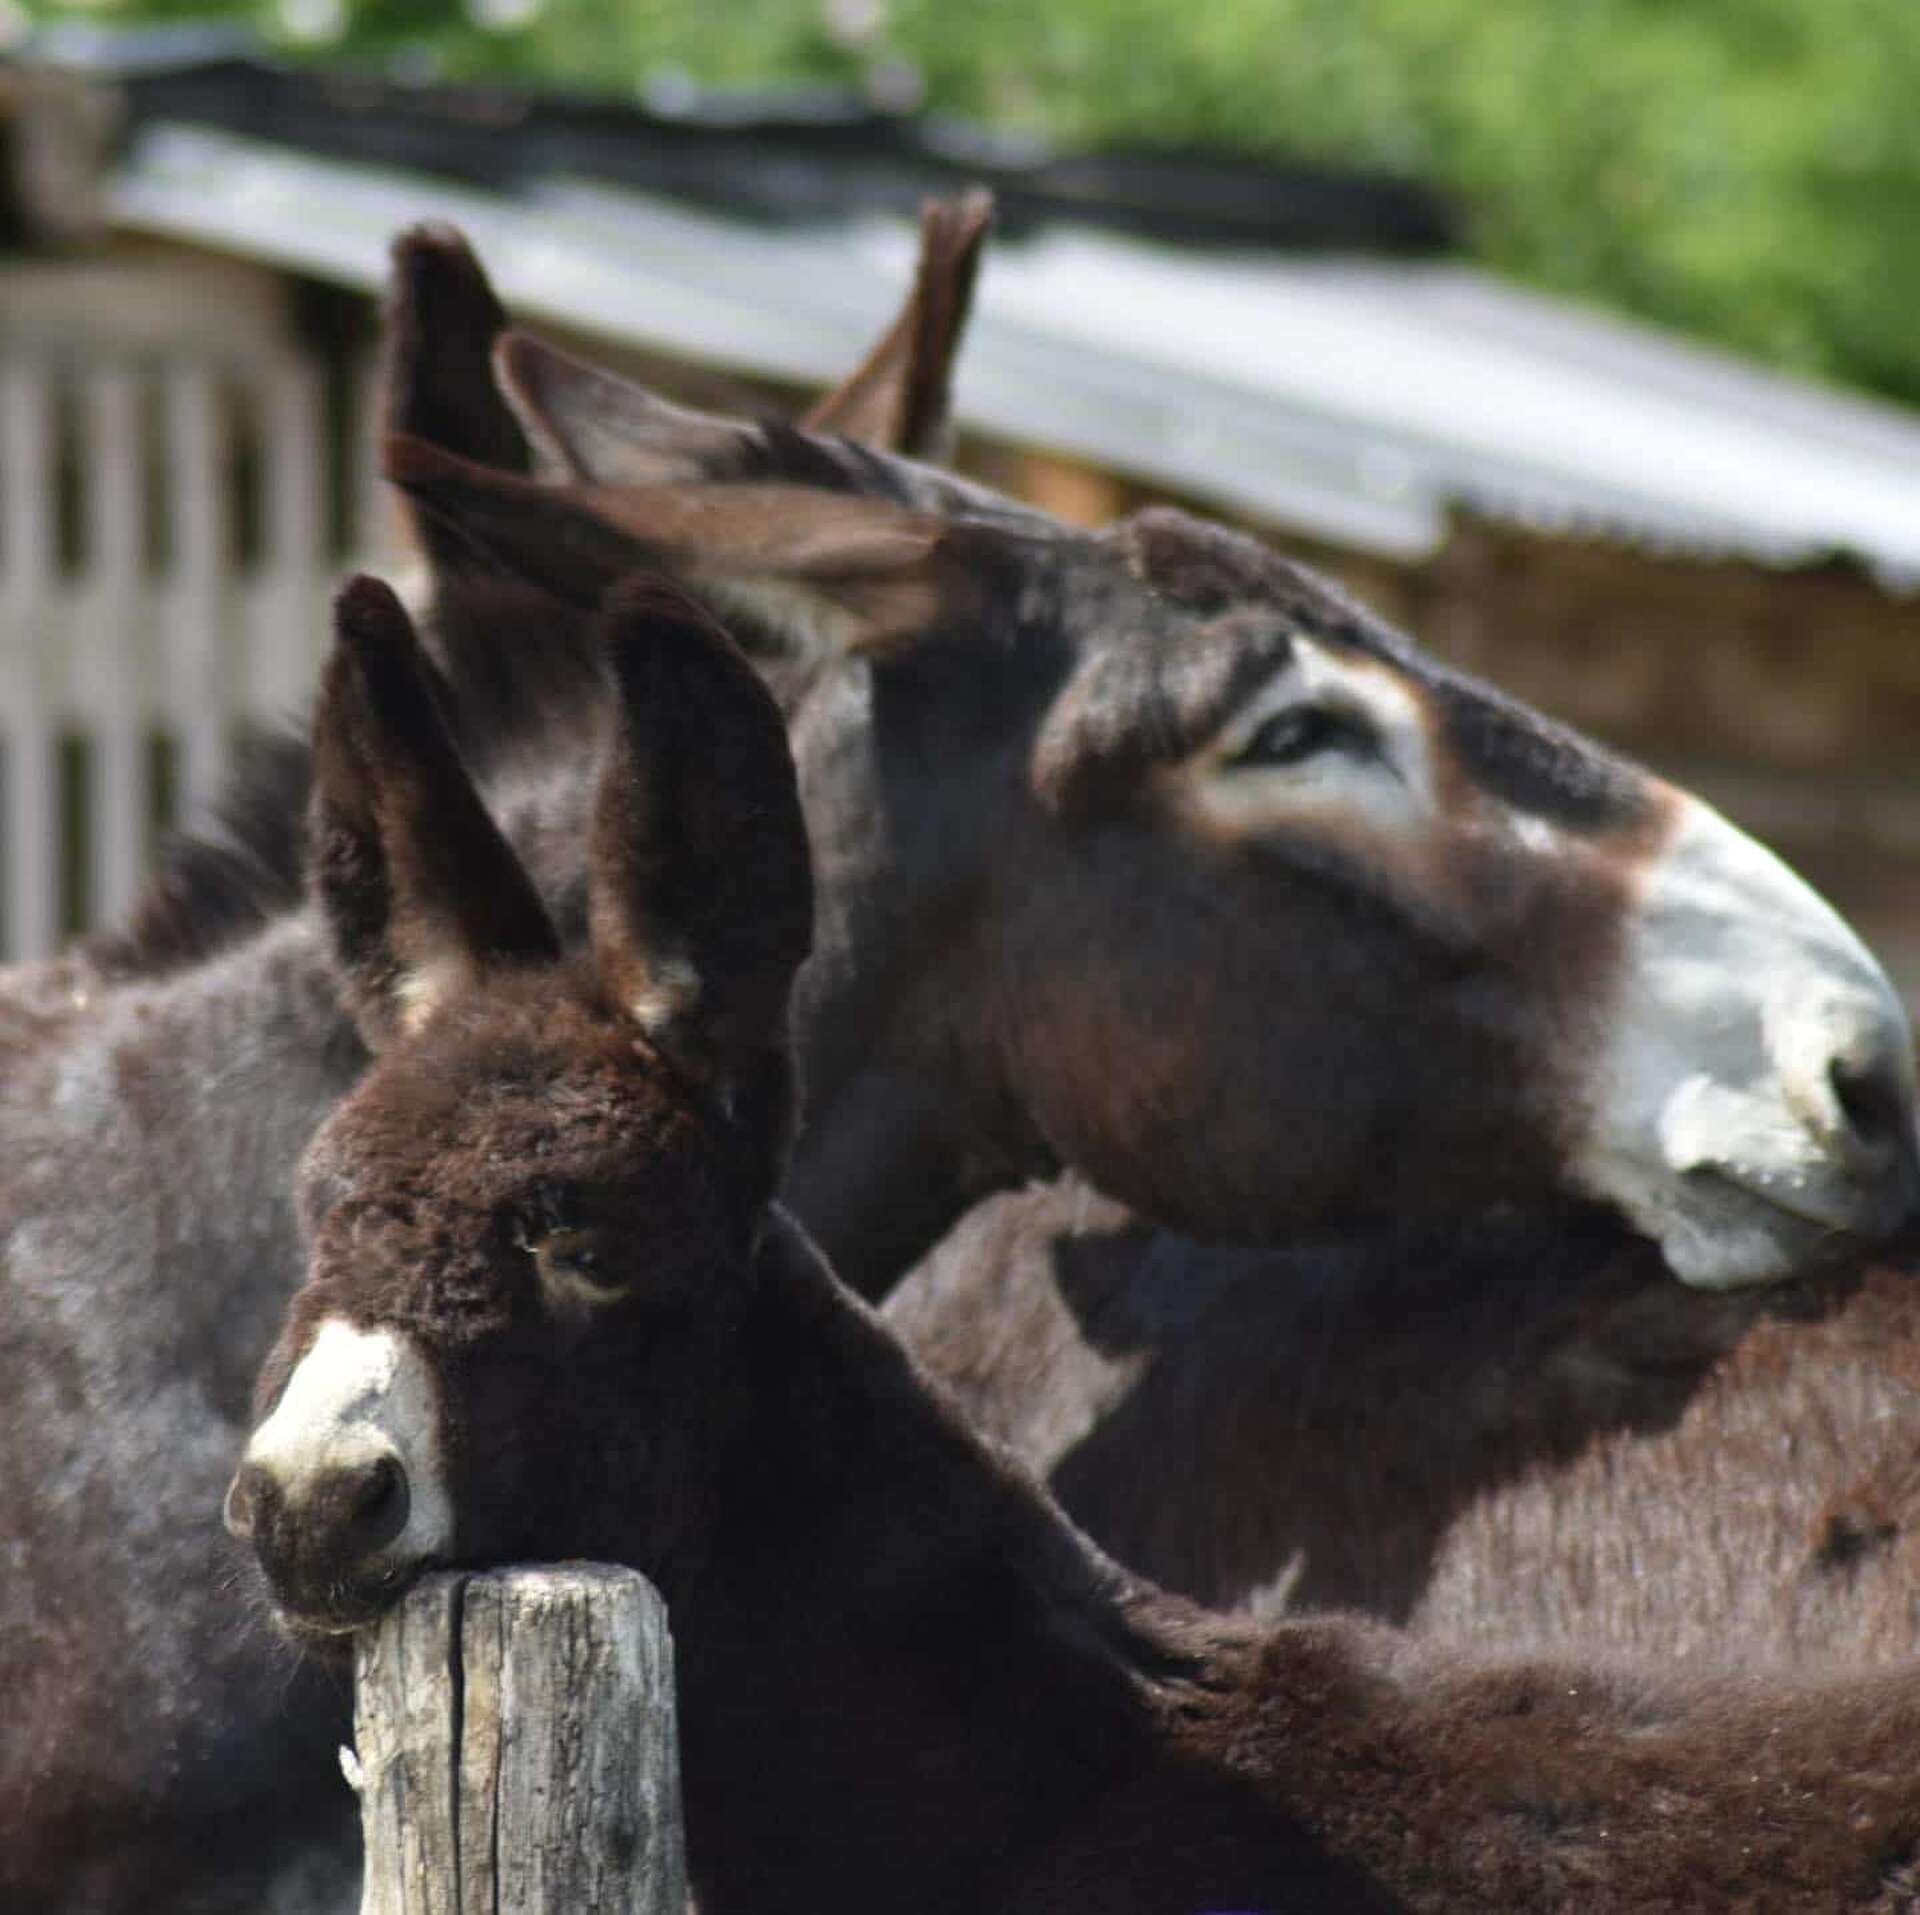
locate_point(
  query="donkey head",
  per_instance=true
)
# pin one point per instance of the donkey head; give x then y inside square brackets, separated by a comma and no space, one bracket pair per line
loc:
[1246,907]
[1528,936]
[556,1166]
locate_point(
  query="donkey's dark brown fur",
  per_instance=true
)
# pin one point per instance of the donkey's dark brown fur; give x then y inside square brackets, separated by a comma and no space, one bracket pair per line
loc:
[1000,685]
[1372,1424]
[1511,1435]
[904,1680]
[1107,671]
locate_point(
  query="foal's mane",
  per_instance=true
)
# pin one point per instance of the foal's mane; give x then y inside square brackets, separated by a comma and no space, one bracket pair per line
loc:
[241,870]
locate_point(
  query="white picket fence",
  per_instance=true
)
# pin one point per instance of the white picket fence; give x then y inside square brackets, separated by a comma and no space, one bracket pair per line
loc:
[170,528]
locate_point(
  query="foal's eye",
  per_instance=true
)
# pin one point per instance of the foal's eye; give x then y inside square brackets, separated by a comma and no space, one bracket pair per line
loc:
[1301,732]
[573,1260]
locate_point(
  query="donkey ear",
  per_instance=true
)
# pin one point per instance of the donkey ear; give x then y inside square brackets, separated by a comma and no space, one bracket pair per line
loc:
[442,320]
[590,425]
[899,398]
[804,562]
[699,883]
[420,892]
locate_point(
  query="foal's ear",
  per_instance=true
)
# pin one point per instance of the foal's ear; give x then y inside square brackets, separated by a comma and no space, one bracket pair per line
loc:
[805,562]
[900,396]
[442,320]
[699,883]
[420,892]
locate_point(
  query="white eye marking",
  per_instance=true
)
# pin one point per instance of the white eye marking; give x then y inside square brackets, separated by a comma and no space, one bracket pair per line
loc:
[1536,834]
[1379,777]
[358,1396]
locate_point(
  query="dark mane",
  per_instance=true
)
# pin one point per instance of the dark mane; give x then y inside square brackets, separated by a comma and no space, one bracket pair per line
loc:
[214,886]
[1210,569]
[522,687]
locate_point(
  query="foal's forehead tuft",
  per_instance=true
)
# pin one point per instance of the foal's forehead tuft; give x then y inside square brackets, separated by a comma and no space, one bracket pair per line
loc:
[504,1114]
[534,1068]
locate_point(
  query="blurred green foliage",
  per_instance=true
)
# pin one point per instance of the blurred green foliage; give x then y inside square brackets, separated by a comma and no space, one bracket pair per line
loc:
[1746,169]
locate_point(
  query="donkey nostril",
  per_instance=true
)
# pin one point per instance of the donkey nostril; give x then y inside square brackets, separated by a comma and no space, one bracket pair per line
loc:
[1872,1099]
[379,1504]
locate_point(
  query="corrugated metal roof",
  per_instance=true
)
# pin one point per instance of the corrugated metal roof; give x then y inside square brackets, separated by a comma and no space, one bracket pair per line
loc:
[1355,401]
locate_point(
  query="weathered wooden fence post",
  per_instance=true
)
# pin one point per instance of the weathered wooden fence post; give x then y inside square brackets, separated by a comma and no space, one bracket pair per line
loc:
[517,1749]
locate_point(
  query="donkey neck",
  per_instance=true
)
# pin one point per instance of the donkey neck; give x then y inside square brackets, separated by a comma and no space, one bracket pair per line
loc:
[910,1112]
[880,1612]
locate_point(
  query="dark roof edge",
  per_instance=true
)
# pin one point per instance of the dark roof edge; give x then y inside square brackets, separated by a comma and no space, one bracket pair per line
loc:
[782,156]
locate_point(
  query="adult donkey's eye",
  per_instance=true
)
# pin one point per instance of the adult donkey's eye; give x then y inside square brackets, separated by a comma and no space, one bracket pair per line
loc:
[1301,732]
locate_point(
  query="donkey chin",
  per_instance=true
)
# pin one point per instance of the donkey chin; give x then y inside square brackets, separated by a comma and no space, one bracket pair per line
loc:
[1755,1107]
[322,1595]
[327,1633]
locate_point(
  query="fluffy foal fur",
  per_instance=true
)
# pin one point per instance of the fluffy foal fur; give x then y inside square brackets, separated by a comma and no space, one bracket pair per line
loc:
[905,1680]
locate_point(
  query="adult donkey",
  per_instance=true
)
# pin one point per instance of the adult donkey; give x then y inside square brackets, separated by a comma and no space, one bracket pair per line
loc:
[552,1310]
[158,1087]
[1176,865]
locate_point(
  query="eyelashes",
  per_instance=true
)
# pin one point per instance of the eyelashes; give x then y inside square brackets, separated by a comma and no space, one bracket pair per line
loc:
[570,1257]
[574,1259]
[1301,732]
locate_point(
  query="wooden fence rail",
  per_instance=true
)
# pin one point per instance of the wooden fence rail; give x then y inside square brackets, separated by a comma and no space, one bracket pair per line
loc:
[516,1749]
[171,524]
